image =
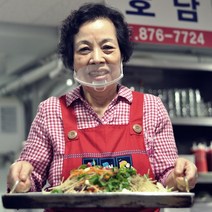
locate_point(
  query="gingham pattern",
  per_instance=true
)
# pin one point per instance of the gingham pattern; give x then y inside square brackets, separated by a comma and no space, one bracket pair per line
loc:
[45,146]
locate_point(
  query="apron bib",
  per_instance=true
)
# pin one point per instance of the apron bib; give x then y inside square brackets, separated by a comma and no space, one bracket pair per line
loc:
[106,145]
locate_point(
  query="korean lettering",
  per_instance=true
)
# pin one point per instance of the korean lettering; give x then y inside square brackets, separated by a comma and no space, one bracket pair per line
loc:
[187,10]
[141,6]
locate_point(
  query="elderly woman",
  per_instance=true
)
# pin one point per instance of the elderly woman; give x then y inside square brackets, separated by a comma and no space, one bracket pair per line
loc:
[100,121]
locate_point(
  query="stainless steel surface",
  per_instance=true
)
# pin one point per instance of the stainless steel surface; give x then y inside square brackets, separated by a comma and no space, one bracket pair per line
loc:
[193,121]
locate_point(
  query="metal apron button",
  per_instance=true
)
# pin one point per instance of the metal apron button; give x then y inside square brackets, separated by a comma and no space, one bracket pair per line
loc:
[72,134]
[137,128]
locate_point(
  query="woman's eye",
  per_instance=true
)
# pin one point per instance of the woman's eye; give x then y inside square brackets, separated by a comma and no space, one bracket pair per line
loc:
[108,47]
[84,50]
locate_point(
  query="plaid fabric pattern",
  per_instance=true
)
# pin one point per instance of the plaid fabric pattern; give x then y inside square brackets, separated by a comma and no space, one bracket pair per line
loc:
[44,147]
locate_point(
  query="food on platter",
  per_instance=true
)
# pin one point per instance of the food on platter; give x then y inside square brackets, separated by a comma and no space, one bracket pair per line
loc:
[94,179]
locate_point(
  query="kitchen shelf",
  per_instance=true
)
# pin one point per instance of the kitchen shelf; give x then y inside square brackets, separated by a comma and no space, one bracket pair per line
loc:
[160,75]
[193,121]
[205,178]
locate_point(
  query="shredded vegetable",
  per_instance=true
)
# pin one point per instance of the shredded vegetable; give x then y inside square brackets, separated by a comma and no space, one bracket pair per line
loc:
[100,179]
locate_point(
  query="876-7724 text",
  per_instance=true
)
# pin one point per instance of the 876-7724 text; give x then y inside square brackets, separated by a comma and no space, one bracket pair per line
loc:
[170,36]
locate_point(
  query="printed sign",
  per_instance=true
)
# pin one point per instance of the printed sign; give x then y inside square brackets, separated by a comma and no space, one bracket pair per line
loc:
[173,22]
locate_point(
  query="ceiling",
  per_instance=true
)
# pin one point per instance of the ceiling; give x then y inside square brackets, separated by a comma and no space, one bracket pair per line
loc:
[38,12]
[29,33]
[29,36]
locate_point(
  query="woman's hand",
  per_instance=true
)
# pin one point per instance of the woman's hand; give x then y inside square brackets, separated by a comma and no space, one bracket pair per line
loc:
[184,175]
[20,171]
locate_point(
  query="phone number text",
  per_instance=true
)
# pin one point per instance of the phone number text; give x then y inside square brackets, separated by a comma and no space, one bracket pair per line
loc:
[170,36]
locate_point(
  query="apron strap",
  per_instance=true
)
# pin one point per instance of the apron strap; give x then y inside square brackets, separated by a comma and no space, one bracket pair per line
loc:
[136,113]
[70,127]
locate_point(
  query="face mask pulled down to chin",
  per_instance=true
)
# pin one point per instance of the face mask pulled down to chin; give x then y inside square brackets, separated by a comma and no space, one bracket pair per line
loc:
[99,76]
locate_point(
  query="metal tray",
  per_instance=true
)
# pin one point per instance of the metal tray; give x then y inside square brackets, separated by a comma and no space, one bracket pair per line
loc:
[99,200]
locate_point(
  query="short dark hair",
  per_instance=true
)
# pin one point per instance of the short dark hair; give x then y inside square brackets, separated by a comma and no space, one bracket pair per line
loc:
[89,12]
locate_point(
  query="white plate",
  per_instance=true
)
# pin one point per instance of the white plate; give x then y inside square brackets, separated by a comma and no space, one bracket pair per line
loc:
[99,200]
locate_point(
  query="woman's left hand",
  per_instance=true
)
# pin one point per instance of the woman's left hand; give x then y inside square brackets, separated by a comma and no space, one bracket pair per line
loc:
[184,174]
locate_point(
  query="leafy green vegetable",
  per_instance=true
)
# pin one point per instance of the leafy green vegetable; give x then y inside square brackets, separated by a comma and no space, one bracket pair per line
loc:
[116,182]
[100,179]
[57,191]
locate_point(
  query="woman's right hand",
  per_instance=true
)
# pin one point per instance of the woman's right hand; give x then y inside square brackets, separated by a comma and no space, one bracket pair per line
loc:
[21,171]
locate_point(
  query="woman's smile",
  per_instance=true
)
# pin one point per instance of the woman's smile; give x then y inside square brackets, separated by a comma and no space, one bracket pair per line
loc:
[99,73]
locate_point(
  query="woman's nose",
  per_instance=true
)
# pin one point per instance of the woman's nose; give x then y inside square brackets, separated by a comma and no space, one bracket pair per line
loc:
[97,56]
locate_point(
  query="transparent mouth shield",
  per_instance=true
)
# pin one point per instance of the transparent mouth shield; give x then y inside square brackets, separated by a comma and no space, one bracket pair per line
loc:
[98,75]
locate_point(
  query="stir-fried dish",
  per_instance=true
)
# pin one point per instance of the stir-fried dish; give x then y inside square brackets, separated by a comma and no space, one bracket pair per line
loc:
[87,179]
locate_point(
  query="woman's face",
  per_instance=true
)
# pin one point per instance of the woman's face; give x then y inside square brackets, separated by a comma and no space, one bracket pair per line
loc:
[97,56]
